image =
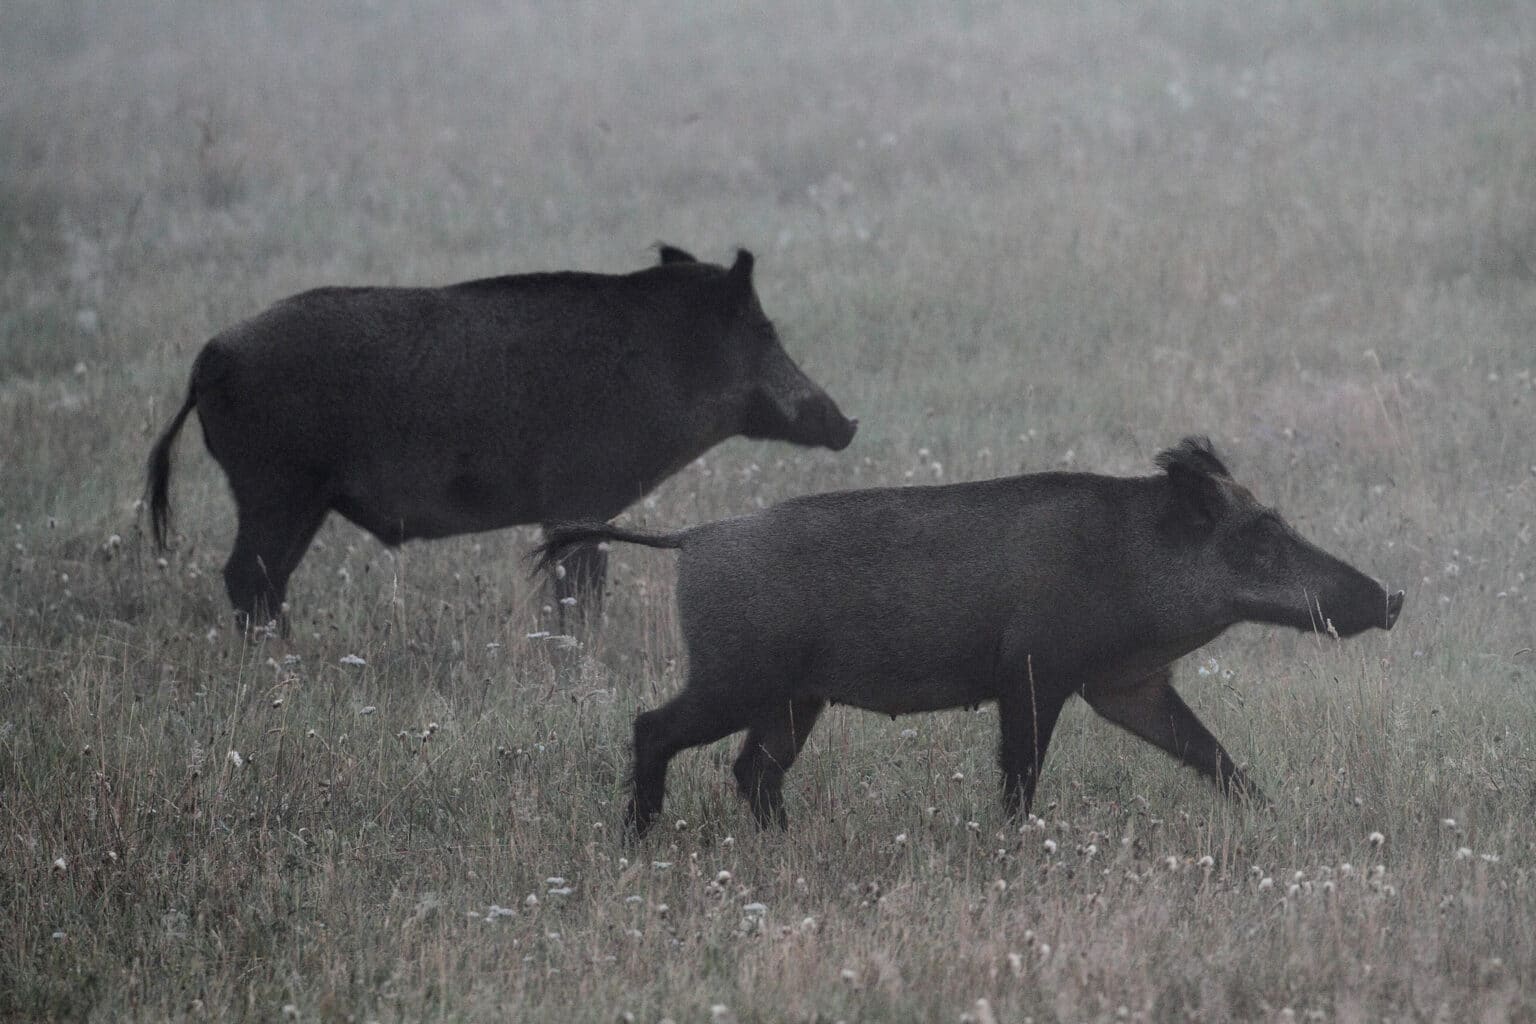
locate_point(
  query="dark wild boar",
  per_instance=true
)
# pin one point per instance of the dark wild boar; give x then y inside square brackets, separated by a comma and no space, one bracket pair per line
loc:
[1023,590]
[429,412]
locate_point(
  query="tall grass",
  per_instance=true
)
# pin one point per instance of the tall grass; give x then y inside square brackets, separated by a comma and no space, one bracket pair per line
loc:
[1007,240]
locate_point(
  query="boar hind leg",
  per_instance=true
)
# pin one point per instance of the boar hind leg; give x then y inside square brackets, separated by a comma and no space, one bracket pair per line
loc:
[274,532]
[1027,719]
[691,719]
[771,746]
[1152,710]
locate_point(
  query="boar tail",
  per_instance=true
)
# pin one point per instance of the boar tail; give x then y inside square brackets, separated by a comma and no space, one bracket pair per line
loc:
[159,483]
[560,538]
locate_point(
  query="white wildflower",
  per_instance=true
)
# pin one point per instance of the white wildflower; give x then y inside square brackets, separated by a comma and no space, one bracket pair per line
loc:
[352,659]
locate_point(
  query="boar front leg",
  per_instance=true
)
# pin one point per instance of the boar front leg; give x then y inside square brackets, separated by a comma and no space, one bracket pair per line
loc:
[1027,718]
[1152,710]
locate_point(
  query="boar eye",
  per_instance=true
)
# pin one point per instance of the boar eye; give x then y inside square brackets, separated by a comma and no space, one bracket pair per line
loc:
[1267,537]
[1255,546]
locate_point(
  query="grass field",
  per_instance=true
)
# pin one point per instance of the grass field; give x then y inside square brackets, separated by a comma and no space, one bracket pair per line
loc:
[1007,239]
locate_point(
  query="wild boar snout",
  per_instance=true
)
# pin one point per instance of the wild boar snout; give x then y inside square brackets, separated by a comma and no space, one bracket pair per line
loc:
[809,417]
[1354,603]
[837,429]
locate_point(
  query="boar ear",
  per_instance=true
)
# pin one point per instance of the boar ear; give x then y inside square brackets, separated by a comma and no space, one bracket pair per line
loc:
[672,254]
[739,279]
[1197,497]
[1194,453]
[1195,473]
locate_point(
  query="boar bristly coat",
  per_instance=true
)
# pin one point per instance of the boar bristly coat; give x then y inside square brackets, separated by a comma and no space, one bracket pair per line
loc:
[429,412]
[1024,591]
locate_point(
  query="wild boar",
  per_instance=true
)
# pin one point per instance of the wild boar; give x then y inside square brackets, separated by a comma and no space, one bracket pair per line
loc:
[1023,590]
[430,412]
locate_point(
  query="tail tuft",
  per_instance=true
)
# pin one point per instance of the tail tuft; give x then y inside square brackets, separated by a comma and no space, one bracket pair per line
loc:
[158,485]
[560,538]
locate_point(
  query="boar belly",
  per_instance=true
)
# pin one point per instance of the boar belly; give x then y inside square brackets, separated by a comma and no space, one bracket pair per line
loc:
[899,678]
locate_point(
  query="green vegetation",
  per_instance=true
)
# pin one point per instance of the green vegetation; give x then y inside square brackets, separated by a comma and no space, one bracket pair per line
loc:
[1006,240]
